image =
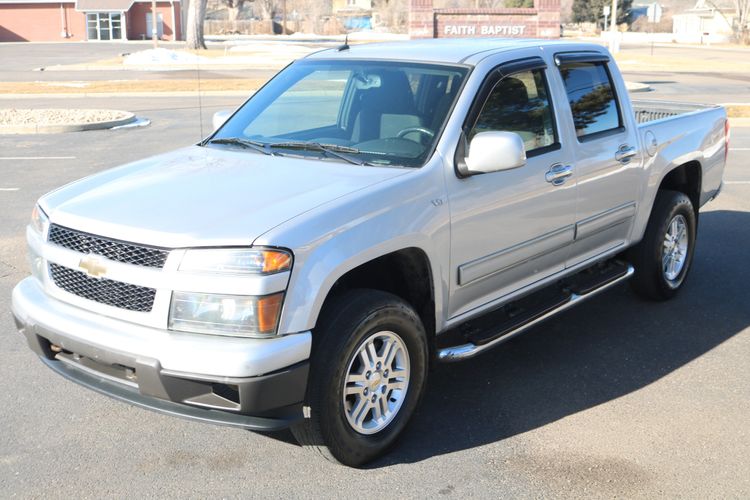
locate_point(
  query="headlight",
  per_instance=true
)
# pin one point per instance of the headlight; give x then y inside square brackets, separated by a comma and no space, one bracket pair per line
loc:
[235,315]
[236,261]
[39,220]
[40,224]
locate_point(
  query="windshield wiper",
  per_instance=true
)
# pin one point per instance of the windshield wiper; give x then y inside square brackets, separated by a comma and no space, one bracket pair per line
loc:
[330,149]
[245,143]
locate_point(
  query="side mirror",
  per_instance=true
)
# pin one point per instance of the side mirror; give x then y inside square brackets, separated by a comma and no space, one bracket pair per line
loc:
[220,117]
[495,151]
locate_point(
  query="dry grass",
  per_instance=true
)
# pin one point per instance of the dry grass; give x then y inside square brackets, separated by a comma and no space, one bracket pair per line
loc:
[188,85]
[738,110]
[639,62]
[93,87]
[212,53]
[208,53]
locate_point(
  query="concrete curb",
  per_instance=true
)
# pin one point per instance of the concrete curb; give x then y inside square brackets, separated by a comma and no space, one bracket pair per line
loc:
[58,129]
[637,87]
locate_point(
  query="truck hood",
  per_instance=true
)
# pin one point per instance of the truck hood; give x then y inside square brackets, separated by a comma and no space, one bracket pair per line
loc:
[201,196]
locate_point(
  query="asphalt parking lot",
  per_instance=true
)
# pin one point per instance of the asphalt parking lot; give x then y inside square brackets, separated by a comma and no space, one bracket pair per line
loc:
[615,398]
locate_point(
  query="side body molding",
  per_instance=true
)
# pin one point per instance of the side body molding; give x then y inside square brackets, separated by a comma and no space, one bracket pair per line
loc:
[508,258]
[605,220]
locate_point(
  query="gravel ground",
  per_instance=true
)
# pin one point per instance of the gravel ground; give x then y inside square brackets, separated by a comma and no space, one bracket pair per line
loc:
[14,116]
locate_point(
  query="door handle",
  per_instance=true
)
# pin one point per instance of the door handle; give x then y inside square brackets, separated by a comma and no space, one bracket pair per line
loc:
[558,173]
[625,153]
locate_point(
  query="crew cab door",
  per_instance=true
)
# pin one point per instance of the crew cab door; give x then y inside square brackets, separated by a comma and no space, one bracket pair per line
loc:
[513,227]
[607,157]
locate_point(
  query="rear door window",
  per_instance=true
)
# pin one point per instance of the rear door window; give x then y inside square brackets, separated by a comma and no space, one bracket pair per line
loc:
[592,98]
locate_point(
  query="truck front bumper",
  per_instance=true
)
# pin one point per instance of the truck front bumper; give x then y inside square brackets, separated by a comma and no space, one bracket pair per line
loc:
[256,384]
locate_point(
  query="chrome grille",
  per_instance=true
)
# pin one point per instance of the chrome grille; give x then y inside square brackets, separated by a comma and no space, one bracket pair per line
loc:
[103,290]
[120,251]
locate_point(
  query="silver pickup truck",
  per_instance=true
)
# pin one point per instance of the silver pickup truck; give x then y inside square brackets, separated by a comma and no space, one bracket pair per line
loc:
[370,211]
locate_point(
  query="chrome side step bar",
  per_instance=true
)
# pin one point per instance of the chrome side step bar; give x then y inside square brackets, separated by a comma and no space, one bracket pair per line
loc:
[469,350]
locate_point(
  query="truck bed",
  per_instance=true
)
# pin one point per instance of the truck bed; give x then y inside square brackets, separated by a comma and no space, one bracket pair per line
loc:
[649,111]
[678,132]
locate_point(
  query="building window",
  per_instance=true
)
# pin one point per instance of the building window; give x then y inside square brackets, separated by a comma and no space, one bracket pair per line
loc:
[104,26]
[159,26]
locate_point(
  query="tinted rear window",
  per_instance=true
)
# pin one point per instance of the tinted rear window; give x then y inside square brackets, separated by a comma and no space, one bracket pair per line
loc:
[592,98]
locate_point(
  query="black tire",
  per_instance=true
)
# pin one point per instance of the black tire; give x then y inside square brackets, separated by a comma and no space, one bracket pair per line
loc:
[346,323]
[650,280]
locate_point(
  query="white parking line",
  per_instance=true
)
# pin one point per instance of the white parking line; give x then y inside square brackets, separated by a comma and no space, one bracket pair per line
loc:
[736,182]
[37,157]
[739,149]
[9,189]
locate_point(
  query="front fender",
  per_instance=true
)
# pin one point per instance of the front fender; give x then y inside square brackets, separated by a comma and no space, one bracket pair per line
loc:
[406,212]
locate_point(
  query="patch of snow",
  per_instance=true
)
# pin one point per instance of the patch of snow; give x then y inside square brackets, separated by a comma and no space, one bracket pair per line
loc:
[162,56]
[250,54]
[376,36]
[290,51]
[365,35]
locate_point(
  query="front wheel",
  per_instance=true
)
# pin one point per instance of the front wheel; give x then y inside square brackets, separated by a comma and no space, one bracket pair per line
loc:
[367,375]
[663,258]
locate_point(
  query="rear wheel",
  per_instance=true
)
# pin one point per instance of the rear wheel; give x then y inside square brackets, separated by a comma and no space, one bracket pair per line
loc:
[367,375]
[663,258]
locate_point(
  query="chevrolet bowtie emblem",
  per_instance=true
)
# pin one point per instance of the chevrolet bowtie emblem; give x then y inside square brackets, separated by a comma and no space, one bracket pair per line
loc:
[92,266]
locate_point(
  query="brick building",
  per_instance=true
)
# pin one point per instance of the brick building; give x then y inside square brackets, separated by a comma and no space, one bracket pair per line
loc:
[540,21]
[80,20]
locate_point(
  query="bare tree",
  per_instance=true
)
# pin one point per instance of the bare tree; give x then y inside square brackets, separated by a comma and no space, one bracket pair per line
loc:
[395,13]
[741,29]
[266,8]
[234,7]
[196,16]
[741,18]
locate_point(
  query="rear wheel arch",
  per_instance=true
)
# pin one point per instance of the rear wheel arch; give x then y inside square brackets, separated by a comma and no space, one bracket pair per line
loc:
[686,178]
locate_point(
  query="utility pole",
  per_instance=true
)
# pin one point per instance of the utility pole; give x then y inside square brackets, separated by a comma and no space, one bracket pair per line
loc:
[613,45]
[154,31]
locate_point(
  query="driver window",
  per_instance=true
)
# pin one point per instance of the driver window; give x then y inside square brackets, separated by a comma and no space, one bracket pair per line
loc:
[519,103]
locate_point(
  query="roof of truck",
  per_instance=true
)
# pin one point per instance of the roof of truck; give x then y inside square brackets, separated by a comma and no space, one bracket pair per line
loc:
[439,50]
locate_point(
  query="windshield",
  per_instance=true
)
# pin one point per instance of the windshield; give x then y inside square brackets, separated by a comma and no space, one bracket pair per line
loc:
[364,112]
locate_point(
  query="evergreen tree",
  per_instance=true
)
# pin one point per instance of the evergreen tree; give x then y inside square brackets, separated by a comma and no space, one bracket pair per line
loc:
[592,11]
